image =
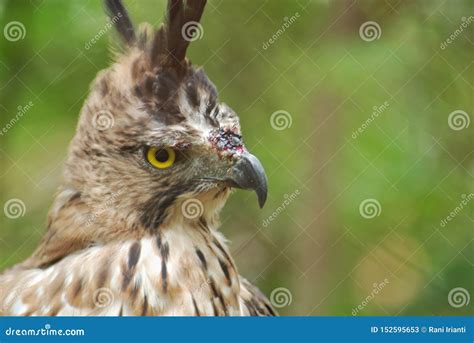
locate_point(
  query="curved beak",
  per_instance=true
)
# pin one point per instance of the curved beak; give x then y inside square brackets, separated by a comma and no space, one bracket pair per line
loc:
[248,173]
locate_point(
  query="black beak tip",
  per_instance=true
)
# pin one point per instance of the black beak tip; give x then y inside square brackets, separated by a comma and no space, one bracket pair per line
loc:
[262,195]
[261,201]
[248,173]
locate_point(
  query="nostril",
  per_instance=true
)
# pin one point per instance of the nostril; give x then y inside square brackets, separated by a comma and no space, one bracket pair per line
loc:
[236,140]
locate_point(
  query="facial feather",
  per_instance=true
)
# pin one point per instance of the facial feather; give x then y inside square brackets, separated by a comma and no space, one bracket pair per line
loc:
[149,106]
[151,138]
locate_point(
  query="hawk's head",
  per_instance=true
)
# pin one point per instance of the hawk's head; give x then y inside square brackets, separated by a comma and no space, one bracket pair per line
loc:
[153,141]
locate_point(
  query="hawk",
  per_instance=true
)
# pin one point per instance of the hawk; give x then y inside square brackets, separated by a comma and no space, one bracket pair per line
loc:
[133,229]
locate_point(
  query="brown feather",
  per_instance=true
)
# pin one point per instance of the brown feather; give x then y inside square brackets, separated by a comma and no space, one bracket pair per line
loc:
[117,241]
[119,16]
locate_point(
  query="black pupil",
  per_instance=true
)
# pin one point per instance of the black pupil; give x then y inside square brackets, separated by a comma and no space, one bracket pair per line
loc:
[162,155]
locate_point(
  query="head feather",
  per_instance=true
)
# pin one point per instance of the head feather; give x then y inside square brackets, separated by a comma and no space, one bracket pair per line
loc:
[169,43]
[119,16]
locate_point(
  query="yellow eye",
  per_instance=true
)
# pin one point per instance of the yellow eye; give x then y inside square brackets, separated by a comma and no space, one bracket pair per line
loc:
[161,158]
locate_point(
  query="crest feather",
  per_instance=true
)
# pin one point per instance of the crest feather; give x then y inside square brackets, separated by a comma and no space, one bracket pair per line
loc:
[169,43]
[120,18]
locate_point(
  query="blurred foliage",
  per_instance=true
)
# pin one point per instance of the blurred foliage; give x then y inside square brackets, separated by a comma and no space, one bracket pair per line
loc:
[328,79]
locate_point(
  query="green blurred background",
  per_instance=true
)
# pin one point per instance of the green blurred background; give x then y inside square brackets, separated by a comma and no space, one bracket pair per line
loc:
[318,255]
